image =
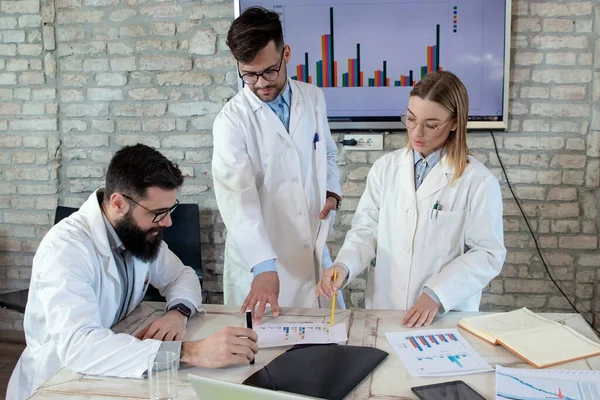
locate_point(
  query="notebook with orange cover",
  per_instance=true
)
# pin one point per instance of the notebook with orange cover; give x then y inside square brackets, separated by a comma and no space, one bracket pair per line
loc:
[539,341]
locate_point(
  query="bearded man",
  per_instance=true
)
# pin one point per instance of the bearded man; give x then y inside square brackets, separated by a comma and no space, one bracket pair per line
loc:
[93,268]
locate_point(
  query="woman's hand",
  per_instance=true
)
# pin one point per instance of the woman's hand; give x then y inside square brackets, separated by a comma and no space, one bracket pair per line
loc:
[422,313]
[326,287]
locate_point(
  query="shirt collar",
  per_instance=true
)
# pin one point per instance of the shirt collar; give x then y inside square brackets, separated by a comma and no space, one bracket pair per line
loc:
[284,97]
[436,155]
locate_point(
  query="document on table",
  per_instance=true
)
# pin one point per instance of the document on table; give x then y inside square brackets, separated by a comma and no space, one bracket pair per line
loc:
[531,384]
[436,352]
[274,335]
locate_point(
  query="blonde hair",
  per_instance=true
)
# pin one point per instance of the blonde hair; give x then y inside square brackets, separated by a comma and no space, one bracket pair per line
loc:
[445,88]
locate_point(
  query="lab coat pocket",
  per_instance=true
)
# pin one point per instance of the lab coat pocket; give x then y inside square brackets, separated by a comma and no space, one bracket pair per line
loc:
[319,150]
[445,231]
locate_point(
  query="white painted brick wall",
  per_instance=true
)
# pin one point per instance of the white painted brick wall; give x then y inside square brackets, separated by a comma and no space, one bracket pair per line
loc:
[80,78]
[29,142]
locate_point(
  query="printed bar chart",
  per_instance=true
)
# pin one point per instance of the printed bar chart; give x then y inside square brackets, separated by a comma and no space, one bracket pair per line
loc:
[421,342]
[273,334]
[455,359]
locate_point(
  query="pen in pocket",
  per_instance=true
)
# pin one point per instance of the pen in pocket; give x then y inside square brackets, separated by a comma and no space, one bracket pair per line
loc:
[436,208]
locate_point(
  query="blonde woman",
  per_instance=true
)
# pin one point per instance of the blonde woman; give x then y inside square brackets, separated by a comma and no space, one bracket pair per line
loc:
[431,214]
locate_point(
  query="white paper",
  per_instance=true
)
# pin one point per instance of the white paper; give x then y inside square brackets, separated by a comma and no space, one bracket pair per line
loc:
[274,335]
[436,352]
[522,384]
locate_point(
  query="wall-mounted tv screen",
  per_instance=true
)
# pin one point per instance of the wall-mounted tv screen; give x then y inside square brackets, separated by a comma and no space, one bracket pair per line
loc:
[367,55]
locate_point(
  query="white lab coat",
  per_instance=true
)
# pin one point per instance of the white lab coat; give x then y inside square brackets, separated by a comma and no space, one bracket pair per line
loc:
[455,252]
[270,187]
[74,296]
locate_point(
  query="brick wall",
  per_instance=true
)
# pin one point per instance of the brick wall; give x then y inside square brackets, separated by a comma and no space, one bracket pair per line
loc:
[29,139]
[80,78]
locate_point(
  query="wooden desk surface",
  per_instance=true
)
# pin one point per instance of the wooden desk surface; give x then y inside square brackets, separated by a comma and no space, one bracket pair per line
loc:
[390,380]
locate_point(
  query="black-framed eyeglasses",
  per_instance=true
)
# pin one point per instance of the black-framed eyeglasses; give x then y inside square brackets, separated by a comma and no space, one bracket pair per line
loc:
[268,74]
[158,216]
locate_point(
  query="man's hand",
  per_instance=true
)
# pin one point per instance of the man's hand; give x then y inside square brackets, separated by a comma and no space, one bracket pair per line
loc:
[169,327]
[422,312]
[330,204]
[326,287]
[229,346]
[264,289]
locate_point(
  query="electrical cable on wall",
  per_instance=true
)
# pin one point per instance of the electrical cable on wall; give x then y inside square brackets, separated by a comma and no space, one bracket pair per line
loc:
[533,235]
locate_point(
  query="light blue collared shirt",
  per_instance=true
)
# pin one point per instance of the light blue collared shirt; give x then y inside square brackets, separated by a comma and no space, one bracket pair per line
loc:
[423,165]
[281,106]
[124,262]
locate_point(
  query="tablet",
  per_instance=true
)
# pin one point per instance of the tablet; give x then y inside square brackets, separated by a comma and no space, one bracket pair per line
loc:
[455,390]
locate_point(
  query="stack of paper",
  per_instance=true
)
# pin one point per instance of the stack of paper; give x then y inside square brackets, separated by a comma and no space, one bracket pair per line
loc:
[436,352]
[274,335]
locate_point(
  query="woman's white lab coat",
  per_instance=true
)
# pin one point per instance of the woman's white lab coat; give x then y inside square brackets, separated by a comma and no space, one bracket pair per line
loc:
[74,296]
[455,252]
[270,187]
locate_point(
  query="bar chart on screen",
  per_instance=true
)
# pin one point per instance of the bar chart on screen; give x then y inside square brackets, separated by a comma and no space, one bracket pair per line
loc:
[367,56]
[327,72]
[526,384]
[436,353]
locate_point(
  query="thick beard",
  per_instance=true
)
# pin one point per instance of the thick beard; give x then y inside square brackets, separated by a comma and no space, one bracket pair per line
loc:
[136,240]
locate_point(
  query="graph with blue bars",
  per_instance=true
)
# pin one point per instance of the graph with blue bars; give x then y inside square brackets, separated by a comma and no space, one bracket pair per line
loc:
[437,351]
[455,359]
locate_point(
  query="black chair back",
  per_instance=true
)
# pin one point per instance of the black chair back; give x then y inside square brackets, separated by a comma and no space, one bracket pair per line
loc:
[183,239]
[63,212]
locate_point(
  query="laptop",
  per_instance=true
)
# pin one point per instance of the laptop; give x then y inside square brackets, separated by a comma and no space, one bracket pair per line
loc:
[213,389]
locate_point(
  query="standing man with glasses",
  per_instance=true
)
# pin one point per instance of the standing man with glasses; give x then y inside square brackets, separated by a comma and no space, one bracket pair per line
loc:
[275,174]
[93,268]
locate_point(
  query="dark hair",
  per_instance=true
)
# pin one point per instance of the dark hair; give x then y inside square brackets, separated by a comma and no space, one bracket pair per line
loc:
[252,31]
[134,169]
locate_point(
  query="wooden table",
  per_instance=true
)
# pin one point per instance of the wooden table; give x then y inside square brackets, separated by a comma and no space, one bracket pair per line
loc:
[390,380]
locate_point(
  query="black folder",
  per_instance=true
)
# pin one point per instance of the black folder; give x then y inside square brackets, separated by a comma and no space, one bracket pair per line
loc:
[327,371]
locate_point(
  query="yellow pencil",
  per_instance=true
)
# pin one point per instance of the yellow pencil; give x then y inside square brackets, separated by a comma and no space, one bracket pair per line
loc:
[332,318]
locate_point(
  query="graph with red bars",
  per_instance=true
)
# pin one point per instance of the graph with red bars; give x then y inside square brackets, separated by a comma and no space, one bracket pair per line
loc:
[326,69]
